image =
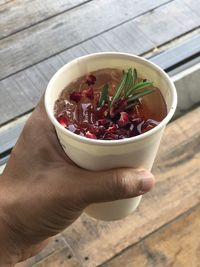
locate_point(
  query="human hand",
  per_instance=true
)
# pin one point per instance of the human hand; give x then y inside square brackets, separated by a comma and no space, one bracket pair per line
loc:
[42,191]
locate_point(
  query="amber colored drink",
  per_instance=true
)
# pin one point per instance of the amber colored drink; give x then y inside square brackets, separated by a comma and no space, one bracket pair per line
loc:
[77,108]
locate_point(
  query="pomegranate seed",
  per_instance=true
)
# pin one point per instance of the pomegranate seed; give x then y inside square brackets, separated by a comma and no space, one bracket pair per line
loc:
[146,128]
[102,129]
[90,135]
[94,129]
[148,125]
[113,111]
[110,136]
[63,121]
[90,80]
[112,128]
[124,119]
[104,121]
[118,107]
[122,105]
[89,93]
[136,121]
[102,111]
[75,96]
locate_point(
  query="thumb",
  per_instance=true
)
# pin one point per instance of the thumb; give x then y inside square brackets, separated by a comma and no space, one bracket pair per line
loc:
[117,184]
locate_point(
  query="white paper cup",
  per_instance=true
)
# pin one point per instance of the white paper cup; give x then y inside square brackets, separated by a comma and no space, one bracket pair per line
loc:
[139,151]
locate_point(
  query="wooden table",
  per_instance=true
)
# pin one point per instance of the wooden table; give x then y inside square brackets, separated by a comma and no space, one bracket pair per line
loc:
[38,37]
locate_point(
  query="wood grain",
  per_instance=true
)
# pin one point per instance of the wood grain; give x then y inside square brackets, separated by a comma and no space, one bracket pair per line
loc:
[175,245]
[20,14]
[59,33]
[158,26]
[194,5]
[56,244]
[59,259]
[177,171]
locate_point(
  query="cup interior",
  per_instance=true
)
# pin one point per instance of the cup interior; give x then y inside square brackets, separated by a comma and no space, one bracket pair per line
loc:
[93,62]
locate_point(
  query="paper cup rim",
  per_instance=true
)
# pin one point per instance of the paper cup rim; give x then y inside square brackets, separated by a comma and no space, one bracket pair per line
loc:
[111,142]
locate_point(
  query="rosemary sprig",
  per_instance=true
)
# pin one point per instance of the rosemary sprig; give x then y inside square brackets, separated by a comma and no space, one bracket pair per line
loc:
[136,96]
[129,80]
[139,86]
[104,95]
[129,89]
[120,88]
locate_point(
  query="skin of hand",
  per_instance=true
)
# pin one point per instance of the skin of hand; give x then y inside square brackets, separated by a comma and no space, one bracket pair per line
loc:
[42,191]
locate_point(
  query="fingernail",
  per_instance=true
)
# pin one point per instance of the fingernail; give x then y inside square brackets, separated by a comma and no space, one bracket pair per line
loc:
[147,181]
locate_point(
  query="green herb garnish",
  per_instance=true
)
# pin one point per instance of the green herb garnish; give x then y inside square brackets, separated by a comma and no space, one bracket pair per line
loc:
[104,95]
[130,89]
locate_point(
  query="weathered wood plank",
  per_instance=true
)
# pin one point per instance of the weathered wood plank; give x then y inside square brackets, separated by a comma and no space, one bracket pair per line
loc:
[59,33]
[194,5]
[180,53]
[177,190]
[62,258]
[157,25]
[175,245]
[20,92]
[17,15]
[57,243]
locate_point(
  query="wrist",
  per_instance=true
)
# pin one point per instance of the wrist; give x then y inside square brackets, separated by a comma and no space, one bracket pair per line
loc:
[8,251]
[8,255]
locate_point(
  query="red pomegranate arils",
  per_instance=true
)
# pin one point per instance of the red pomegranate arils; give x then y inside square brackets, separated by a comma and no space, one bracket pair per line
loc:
[113,111]
[90,80]
[99,106]
[110,136]
[75,96]
[148,125]
[94,129]
[118,107]
[104,121]
[101,129]
[136,121]
[124,119]
[122,105]
[89,93]
[146,128]
[90,135]
[112,129]
[63,121]
[102,111]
